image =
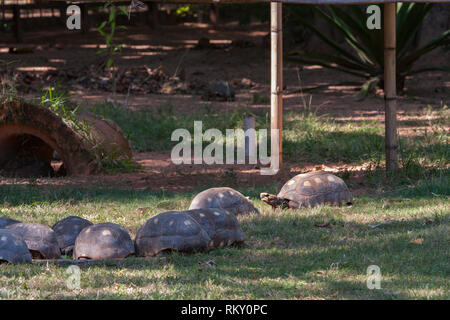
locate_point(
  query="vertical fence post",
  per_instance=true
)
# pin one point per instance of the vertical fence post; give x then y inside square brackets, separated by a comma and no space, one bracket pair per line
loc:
[84,18]
[152,14]
[18,32]
[390,86]
[214,14]
[250,138]
[276,71]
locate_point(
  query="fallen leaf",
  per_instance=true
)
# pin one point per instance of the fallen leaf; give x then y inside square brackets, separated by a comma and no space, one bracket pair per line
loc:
[143,210]
[417,241]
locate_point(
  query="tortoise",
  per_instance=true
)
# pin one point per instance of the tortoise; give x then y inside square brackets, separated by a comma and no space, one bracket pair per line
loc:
[220,90]
[222,226]
[67,231]
[171,230]
[41,240]
[103,241]
[4,222]
[223,198]
[12,248]
[309,190]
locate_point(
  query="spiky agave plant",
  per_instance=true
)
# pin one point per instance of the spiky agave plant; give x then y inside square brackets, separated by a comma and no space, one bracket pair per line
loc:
[365,59]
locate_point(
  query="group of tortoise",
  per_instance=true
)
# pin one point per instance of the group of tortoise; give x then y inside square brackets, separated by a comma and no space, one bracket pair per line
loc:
[210,222]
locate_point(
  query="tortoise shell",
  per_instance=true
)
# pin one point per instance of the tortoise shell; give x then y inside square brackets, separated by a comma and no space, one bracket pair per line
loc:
[223,198]
[41,240]
[103,241]
[222,226]
[4,222]
[171,230]
[315,188]
[12,248]
[67,230]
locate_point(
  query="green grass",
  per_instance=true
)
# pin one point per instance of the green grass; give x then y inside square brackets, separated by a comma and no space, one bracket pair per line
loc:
[150,130]
[306,136]
[286,256]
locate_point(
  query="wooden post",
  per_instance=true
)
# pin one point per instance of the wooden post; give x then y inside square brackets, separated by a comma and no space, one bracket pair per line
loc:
[18,32]
[214,14]
[276,97]
[390,87]
[250,138]
[152,14]
[62,7]
[84,18]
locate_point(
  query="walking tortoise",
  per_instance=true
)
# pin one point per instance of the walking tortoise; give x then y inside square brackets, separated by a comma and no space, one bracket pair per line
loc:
[309,190]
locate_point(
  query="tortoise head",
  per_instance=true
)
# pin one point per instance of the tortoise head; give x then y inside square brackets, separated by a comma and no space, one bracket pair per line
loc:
[273,200]
[270,199]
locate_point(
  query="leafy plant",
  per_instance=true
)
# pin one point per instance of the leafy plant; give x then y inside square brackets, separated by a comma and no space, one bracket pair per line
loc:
[108,30]
[365,58]
[111,161]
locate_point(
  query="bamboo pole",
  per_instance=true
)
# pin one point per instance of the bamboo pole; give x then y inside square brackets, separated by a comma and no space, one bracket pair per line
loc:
[390,87]
[276,97]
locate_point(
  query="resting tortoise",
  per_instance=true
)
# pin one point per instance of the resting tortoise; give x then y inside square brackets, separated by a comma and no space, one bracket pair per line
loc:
[168,231]
[222,226]
[41,240]
[4,222]
[103,241]
[67,231]
[309,190]
[223,198]
[12,248]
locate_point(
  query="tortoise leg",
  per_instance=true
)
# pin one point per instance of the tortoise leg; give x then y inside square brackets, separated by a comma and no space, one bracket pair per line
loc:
[293,204]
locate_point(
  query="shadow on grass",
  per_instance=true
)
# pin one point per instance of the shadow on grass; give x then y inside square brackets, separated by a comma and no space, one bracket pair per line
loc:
[287,260]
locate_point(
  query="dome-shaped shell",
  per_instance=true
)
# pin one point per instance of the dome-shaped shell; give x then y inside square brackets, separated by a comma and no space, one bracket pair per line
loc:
[103,241]
[171,231]
[67,230]
[41,240]
[315,188]
[4,222]
[223,198]
[222,226]
[12,248]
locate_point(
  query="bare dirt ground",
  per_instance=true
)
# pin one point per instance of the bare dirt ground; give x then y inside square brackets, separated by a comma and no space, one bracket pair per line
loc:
[236,53]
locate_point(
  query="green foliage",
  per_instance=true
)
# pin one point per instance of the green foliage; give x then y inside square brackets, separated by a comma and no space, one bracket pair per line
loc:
[8,91]
[362,55]
[294,32]
[307,137]
[151,131]
[108,30]
[57,101]
[185,11]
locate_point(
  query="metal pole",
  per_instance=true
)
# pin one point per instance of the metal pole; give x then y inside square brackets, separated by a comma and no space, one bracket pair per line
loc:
[390,87]
[276,97]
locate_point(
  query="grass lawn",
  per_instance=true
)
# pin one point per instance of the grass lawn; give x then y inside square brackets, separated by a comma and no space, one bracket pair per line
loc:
[287,255]
[294,254]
